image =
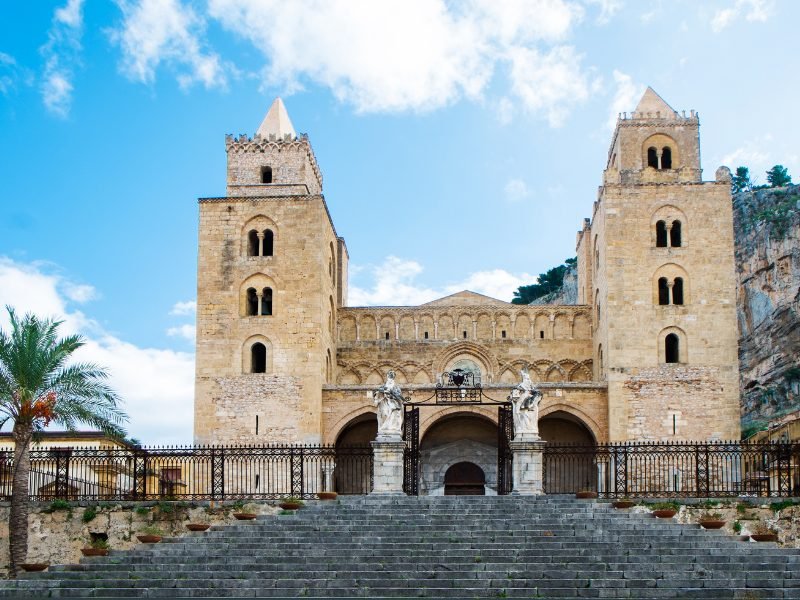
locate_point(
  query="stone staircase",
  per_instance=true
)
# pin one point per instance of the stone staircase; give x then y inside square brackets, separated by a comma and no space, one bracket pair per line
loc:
[436,547]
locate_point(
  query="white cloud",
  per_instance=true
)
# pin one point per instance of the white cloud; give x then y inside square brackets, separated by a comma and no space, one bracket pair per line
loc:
[751,10]
[608,8]
[79,293]
[393,284]
[187,332]
[157,385]
[8,73]
[516,190]
[184,308]
[61,54]
[625,98]
[156,32]
[415,55]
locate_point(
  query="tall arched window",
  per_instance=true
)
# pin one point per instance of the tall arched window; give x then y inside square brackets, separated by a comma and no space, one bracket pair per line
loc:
[268,243]
[661,234]
[266,301]
[675,234]
[258,358]
[252,302]
[266,174]
[677,291]
[666,158]
[663,291]
[652,157]
[672,348]
[252,243]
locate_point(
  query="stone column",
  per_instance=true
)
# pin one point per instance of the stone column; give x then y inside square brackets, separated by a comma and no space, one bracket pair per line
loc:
[388,465]
[527,467]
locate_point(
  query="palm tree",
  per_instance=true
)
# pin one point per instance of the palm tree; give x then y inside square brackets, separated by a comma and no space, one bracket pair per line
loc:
[39,386]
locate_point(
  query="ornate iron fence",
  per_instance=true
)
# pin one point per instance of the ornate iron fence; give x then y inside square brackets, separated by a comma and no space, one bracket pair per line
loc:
[701,470]
[193,473]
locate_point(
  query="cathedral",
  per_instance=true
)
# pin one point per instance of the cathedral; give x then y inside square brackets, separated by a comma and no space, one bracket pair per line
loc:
[649,352]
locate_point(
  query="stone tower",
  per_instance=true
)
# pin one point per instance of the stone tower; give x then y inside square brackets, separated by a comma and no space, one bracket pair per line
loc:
[271,276]
[656,263]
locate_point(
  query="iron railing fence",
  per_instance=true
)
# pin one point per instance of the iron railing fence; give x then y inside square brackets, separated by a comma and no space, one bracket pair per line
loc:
[193,473]
[679,470]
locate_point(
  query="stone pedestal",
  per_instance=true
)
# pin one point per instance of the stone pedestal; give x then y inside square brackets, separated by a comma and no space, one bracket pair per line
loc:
[528,457]
[388,465]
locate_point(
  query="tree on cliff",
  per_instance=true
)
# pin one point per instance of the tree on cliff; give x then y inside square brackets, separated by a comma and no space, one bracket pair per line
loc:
[741,180]
[545,284]
[38,385]
[778,176]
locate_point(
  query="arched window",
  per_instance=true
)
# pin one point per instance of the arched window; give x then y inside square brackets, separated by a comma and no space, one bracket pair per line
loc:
[652,157]
[258,358]
[268,247]
[677,290]
[672,348]
[266,301]
[252,302]
[252,243]
[663,291]
[266,174]
[661,234]
[666,158]
[675,234]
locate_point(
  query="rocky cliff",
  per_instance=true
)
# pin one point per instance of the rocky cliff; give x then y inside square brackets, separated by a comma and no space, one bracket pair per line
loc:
[567,293]
[767,228]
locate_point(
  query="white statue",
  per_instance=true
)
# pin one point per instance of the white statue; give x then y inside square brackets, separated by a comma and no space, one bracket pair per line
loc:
[525,400]
[389,400]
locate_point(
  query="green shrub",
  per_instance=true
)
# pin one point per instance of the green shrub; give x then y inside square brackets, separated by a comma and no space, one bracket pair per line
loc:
[89,514]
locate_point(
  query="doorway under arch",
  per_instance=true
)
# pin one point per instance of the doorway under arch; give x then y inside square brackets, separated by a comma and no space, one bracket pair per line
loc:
[464,479]
[350,476]
[571,469]
[560,427]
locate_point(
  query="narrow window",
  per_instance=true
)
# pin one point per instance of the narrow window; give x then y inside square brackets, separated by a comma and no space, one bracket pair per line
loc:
[677,291]
[652,157]
[675,235]
[258,479]
[661,234]
[426,335]
[387,335]
[503,333]
[266,301]
[666,158]
[465,335]
[663,291]
[674,424]
[541,335]
[671,348]
[252,302]
[252,243]
[258,358]
[266,174]
[268,236]
[256,424]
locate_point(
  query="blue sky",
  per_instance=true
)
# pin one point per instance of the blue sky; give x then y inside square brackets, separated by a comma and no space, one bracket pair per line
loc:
[461,143]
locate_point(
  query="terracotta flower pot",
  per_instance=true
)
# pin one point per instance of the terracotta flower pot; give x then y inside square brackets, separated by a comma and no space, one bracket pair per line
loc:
[586,495]
[149,539]
[94,551]
[245,516]
[290,505]
[764,537]
[712,523]
[197,526]
[327,495]
[34,566]
[623,504]
[664,513]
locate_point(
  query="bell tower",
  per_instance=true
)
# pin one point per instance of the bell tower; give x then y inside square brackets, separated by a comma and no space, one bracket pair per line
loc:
[659,254]
[271,273]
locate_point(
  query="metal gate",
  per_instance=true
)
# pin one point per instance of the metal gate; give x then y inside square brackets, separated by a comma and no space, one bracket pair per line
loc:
[505,433]
[411,452]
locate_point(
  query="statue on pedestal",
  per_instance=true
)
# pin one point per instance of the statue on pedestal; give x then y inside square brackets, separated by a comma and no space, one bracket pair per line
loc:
[525,399]
[389,400]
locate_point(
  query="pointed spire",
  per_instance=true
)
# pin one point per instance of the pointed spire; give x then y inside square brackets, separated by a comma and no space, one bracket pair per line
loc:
[653,103]
[277,122]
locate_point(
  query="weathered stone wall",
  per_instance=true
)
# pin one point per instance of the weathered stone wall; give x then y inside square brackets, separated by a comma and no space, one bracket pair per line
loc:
[767,224]
[292,162]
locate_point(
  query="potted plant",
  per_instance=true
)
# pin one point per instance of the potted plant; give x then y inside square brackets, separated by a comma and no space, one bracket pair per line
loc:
[764,533]
[197,526]
[98,546]
[291,503]
[150,535]
[585,494]
[327,495]
[30,567]
[665,510]
[711,520]
[245,512]
[623,503]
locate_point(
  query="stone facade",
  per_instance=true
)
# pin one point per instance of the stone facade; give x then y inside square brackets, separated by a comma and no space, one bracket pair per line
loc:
[621,364]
